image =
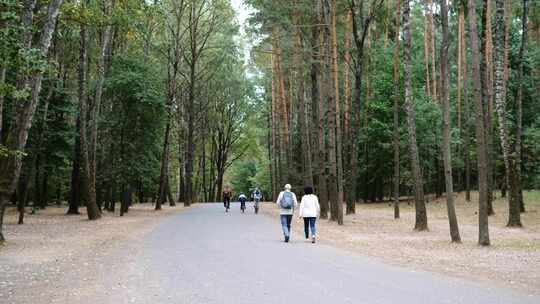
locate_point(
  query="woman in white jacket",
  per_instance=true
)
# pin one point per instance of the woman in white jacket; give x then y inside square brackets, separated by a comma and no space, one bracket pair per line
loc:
[309,210]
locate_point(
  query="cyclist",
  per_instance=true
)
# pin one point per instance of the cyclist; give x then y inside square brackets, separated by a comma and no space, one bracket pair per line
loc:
[242,198]
[257,197]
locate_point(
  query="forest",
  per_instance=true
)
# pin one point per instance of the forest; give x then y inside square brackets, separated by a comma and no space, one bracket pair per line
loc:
[126,101]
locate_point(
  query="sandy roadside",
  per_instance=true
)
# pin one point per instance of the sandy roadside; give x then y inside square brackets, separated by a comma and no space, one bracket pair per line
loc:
[513,260]
[61,259]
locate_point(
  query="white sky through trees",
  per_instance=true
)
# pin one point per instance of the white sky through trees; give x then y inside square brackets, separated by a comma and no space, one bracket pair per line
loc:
[242,14]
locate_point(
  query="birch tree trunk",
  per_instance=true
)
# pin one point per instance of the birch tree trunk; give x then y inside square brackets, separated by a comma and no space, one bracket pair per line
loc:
[500,101]
[519,103]
[446,148]
[483,233]
[420,206]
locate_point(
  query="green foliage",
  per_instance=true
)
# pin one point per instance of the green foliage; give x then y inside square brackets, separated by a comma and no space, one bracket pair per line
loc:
[134,127]
[242,174]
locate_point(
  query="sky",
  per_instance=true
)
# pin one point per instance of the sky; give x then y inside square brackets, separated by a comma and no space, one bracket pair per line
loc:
[242,11]
[242,14]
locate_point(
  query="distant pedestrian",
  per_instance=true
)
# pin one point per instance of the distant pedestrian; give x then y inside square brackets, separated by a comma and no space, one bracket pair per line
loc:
[309,210]
[242,198]
[257,197]
[287,203]
[227,194]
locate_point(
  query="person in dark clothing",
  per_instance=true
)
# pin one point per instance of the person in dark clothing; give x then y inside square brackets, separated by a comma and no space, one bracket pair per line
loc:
[227,194]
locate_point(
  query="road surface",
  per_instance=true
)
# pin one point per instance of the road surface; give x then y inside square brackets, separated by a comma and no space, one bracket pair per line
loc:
[204,255]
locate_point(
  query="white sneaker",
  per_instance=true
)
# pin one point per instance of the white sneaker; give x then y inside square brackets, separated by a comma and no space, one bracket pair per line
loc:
[313,239]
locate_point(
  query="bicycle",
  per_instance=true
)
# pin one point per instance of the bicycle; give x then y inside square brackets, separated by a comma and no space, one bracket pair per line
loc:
[242,198]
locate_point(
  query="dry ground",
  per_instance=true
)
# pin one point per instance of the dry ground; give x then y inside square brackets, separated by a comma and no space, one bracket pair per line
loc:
[54,256]
[513,259]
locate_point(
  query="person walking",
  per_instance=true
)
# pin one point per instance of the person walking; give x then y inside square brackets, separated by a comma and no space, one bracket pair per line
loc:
[287,203]
[309,210]
[227,194]
[257,196]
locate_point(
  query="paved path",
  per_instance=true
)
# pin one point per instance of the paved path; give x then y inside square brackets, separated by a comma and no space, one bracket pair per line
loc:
[204,255]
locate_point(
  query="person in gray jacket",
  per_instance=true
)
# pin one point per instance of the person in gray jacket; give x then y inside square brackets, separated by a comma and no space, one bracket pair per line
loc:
[287,203]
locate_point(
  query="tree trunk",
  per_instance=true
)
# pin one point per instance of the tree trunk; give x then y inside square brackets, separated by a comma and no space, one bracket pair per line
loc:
[500,101]
[397,96]
[486,83]
[519,104]
[170,197]
[275,129]
[173,61]
[44,187]
[24,111]
[360,25]
[319,158]
[162,192]
[37,189]
[89,194]
[349,196]
[2,211]
[427,53]
[2,81]
[483,234]
[23,189]
[432,50]
[466,125]
[328,89]
[74,190]
[459,109]
[298,70]
[270,161]
[190,148]
[421,215]
[96,104]
[445,103]
[283,115]
[337,119]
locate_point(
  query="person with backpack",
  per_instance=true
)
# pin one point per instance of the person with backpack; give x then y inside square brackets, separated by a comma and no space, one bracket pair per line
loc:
[257,196]
[287,203]
[309,210]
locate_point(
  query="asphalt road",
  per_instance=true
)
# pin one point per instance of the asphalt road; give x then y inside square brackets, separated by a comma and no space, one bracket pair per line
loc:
[205,255]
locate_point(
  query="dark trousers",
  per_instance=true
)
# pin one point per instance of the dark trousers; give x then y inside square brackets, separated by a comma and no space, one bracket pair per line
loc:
[309,223]
[227,202]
